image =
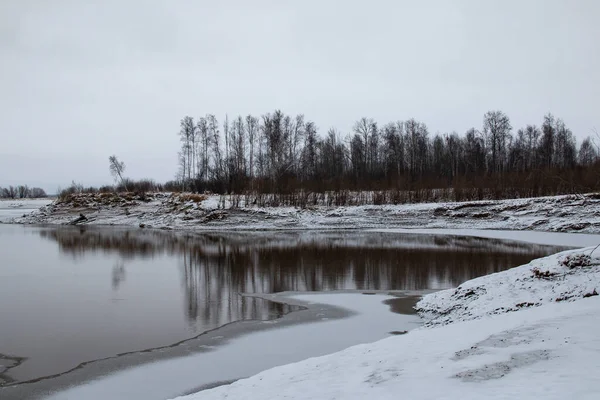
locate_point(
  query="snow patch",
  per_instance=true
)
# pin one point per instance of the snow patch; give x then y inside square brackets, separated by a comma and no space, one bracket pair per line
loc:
[566,276]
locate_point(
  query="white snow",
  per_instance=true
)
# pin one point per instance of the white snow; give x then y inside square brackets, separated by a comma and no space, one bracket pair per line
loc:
[517,334]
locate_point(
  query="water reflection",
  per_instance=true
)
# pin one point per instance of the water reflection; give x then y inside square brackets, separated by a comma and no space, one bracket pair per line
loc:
[111,291]
[118,275]
[217,267]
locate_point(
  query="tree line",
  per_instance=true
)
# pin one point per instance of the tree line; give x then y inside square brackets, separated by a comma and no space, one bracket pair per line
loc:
[282,154]
[21,192]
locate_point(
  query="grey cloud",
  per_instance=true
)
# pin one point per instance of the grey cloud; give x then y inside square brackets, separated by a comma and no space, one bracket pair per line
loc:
[85,79]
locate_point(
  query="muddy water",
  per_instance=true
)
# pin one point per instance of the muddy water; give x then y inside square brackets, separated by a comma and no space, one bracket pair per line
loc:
[74,294]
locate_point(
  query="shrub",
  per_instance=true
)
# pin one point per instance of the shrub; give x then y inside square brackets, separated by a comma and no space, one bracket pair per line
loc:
[196,198]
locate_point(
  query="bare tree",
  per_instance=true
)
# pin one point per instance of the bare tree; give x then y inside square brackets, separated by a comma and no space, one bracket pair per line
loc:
[204,145]
[309,152]
[218,169]
[117,168]
[393,150]
[252,131]
[587,153]
[187,134]
[226,168]
[474,153]
[518,152]
[455,150]
[22,191]
[546,145]
[565,153]
[37,193]
[496,129]
[284,155]
[237,153]
[532,137]
[417,146]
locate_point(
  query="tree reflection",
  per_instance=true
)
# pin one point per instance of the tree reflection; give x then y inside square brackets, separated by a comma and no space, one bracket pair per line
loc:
[217,268]
[118,275]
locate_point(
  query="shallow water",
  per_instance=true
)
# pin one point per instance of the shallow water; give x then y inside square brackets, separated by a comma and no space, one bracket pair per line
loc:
[74,294]
[229,357]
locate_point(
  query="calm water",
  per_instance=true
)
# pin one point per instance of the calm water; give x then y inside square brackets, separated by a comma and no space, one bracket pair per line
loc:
[75,294]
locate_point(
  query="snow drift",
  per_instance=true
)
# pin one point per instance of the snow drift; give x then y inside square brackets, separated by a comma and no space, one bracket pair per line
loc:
[566,276]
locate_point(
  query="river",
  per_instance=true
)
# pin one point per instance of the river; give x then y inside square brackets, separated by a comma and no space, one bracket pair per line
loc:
[77,303]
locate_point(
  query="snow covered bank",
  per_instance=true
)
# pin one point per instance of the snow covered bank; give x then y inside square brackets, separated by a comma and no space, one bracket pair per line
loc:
[475,346]
[572,213]
[562,277]
[550,352]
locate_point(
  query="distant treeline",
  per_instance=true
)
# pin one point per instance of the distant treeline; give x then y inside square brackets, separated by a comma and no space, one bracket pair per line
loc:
[21,192]
[286,155]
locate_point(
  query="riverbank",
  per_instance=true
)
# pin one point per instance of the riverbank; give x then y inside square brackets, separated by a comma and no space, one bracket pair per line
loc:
[527,333]
[569,213]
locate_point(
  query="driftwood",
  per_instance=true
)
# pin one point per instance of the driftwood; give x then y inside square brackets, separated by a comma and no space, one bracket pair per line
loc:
[81,218]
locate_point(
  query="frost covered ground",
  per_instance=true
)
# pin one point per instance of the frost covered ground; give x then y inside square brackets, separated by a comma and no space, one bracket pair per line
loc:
[571,213]
[527,333]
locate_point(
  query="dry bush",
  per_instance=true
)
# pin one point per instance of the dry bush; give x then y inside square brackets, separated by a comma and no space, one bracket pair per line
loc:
[106,189]
[577,260]
[539,274]
[379,198]
[196,198]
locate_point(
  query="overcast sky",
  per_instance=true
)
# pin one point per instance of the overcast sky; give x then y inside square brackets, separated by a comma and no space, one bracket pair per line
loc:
[83,79]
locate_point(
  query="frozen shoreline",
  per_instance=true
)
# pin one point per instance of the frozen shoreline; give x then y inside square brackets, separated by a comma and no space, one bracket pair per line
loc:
[248,347]
[528,332]
[569,213]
